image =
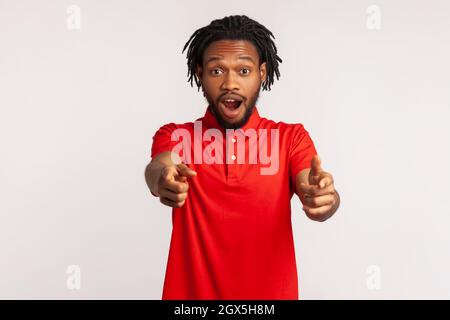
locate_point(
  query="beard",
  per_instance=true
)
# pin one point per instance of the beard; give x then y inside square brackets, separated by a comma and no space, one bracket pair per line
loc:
[234,125]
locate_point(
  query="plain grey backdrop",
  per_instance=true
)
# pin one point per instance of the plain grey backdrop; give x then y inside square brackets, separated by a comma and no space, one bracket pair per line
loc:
[85,84]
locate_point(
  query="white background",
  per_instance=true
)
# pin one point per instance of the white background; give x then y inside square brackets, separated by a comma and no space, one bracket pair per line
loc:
[78,109]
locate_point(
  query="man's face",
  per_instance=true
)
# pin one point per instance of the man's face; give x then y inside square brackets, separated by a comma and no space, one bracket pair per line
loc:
[231,80]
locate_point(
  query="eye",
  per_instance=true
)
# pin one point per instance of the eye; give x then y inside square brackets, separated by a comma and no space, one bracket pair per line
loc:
[247,71]
[216,72]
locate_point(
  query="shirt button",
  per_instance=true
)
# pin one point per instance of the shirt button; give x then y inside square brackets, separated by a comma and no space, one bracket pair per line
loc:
[233,157]
[234,140]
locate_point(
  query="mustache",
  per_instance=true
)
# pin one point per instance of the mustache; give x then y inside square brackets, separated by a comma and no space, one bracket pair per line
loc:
[231,95]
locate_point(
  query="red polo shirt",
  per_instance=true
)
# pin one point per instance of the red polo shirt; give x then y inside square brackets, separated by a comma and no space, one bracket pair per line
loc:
[232,239]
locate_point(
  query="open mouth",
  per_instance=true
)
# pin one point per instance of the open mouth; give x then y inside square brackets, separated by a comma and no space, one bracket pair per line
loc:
[231,108]
[232,104]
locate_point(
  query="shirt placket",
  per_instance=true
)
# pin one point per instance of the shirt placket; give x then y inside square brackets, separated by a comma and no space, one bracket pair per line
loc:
[231,164]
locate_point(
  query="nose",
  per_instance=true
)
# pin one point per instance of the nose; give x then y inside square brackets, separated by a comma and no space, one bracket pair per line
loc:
[230,82]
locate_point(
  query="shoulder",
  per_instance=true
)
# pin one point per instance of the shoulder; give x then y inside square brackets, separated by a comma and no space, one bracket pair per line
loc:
[285,128]
[171,127]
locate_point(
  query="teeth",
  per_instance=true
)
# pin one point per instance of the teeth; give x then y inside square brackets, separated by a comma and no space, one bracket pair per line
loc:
[230,100]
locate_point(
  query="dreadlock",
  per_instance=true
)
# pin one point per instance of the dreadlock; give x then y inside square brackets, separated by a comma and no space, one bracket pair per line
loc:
[238,27]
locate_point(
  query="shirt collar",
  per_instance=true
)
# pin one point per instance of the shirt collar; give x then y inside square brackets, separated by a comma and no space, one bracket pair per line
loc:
[210,121]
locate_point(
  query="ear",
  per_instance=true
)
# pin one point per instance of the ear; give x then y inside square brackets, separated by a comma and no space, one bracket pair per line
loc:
[198,72]
[263,72]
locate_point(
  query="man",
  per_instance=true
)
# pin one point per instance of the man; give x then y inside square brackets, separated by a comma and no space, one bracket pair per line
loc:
[232,234]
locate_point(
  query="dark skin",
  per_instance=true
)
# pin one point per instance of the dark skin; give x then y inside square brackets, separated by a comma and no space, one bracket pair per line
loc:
[233,66]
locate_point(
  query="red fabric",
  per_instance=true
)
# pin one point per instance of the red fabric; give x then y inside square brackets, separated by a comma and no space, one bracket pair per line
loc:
[232,239]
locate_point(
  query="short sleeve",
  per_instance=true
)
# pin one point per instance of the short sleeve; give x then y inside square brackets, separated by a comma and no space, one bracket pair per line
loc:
[301,152]
[162,139]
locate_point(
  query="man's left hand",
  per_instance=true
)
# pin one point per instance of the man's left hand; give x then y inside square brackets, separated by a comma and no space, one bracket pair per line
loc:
[319,197]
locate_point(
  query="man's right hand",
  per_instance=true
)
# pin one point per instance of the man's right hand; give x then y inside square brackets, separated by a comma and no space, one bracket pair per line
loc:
[173,186]
[166,177]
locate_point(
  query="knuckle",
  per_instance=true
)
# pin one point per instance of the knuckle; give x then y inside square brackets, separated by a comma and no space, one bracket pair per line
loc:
[179,204]
[179,197]
[307,210]
[333,201]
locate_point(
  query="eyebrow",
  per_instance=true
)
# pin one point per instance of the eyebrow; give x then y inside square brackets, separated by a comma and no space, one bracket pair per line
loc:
[241,57]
